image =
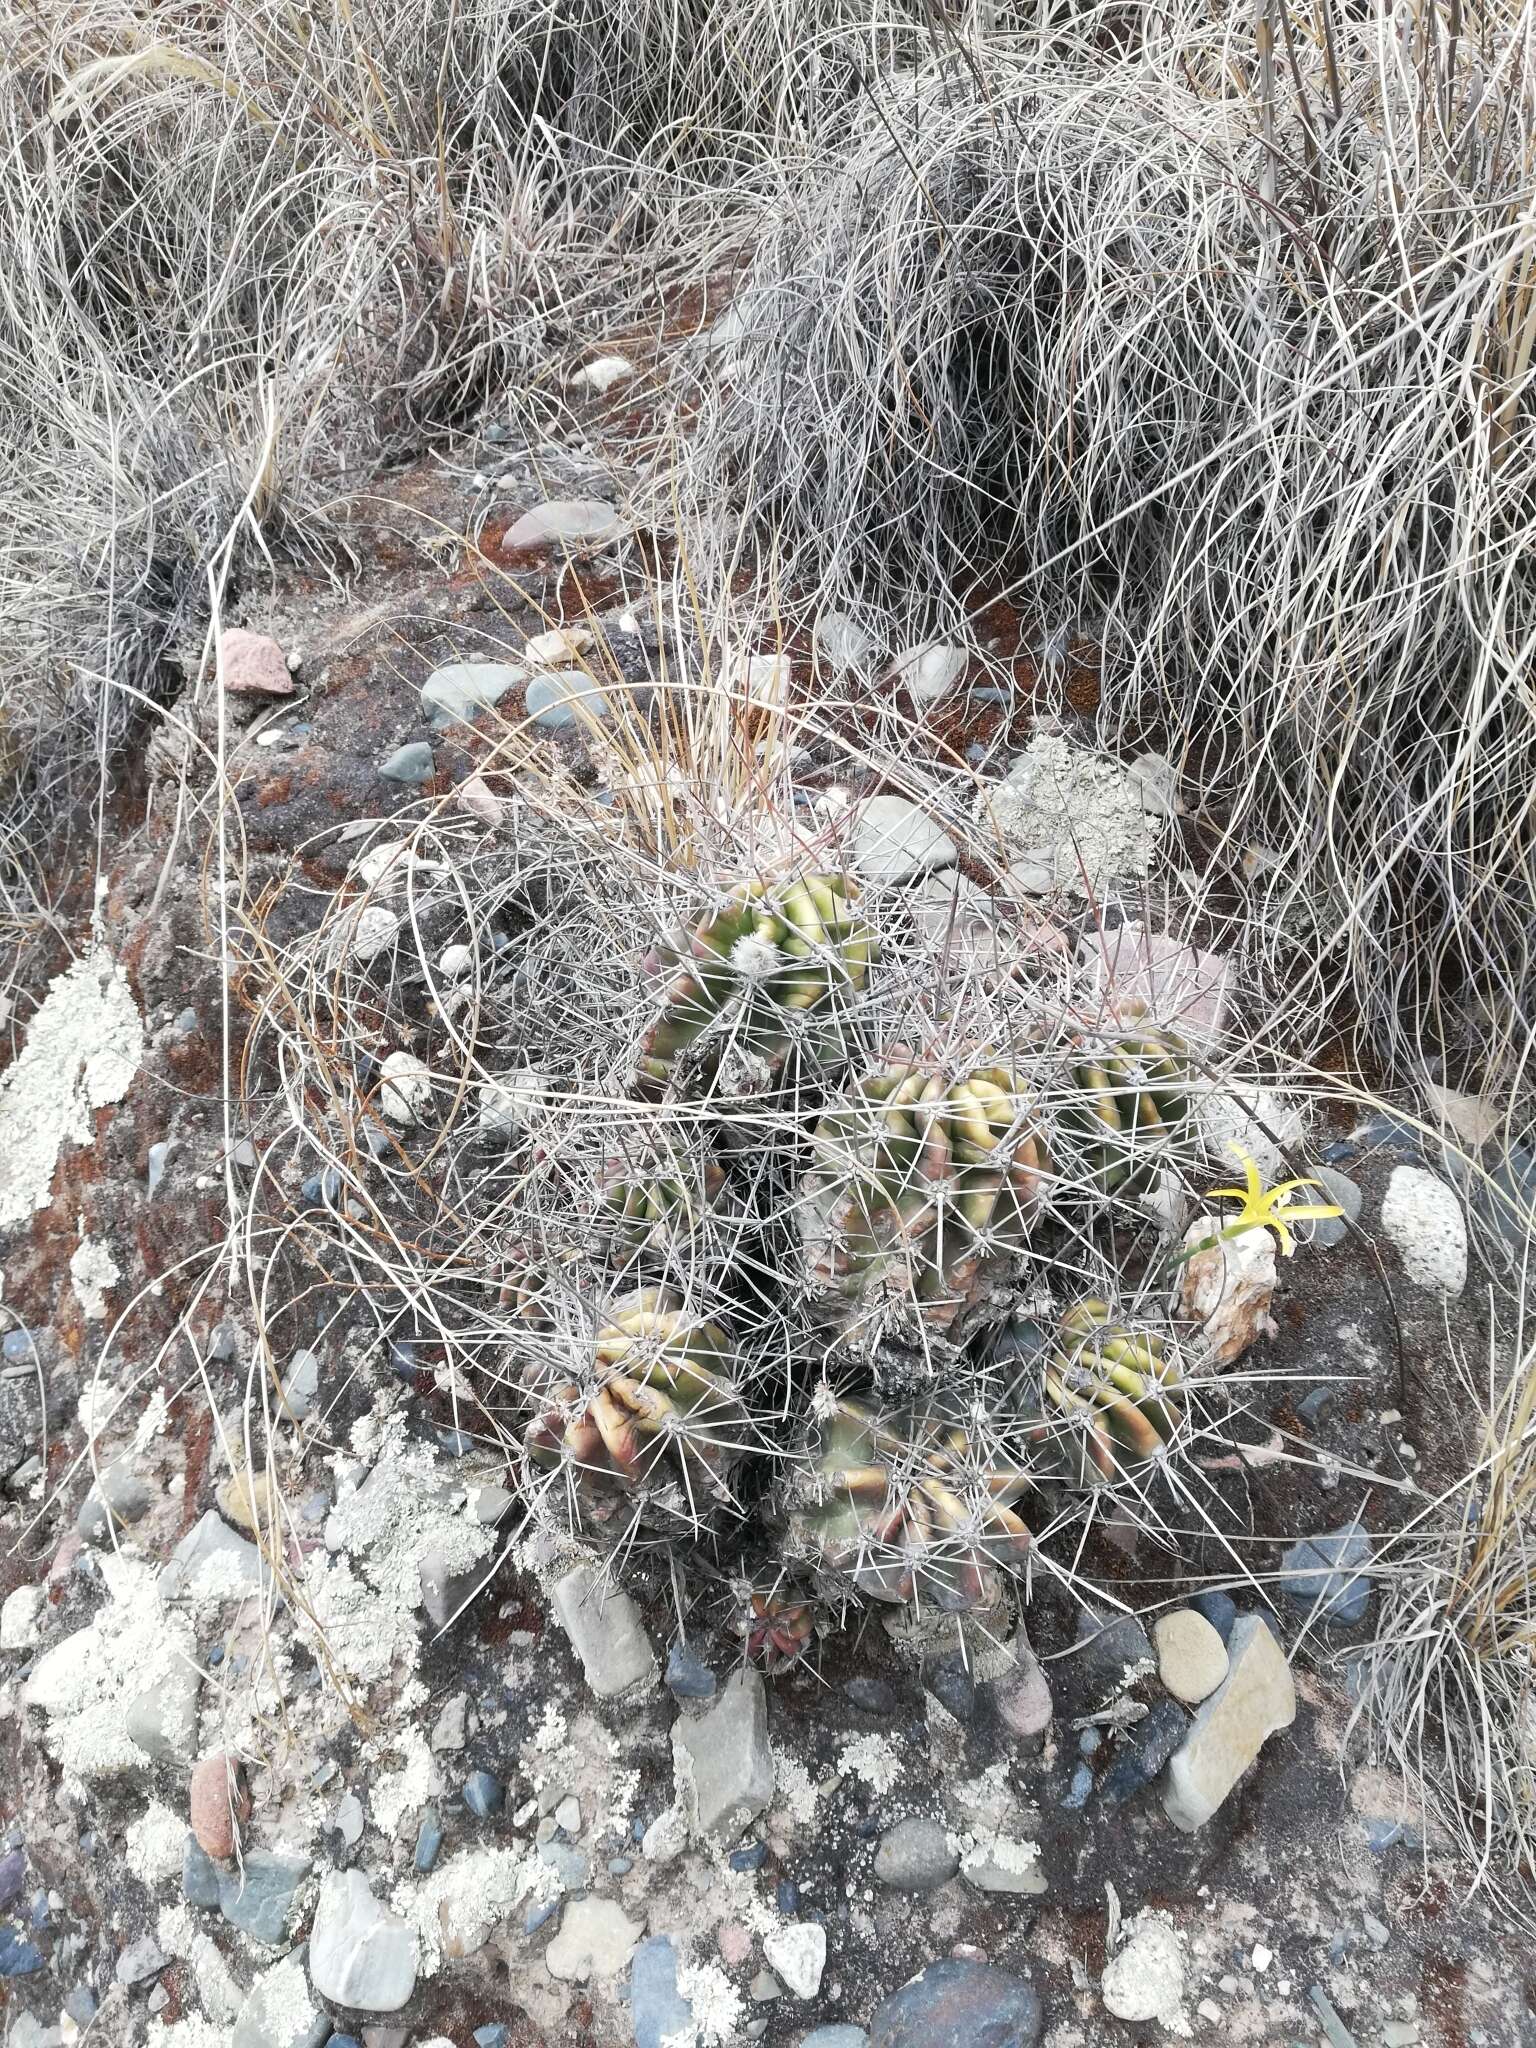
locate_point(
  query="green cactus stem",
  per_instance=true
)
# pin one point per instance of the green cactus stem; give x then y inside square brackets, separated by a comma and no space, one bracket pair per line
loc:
[771,952]
[1116,1385]
[1126,1097]
[906,1507]
[658,1426]
[919,1181]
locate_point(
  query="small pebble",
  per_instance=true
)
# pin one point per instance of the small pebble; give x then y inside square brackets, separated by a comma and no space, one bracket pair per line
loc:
[429,1839]
[750,1859]
[1082,1785]
[18,1958]
[537,1914]
[409,764]
[871,1695]
[688,1677]
[483,1794]
[620,1866]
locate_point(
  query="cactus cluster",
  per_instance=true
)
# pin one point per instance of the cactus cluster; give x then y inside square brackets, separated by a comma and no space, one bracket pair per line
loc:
[922,1181]
[771,953]
[918,1182]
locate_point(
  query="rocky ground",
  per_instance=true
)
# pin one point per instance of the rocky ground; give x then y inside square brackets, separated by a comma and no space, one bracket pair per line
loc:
[445,1785]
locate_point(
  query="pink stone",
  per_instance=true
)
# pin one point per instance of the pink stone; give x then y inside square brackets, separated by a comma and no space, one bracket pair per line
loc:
[1148,976]
[479,799]
[254,664]
[734,1941]
[219,1801]
[1022,1697]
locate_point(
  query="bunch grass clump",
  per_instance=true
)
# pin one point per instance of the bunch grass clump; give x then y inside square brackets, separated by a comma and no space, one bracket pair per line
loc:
[1207,333]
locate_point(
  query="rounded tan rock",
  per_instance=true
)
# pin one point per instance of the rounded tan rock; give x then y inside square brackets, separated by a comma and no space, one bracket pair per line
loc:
[1191,1657]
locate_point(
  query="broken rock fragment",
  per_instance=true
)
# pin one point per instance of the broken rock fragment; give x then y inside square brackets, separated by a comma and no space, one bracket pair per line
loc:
[1256,1698]
[606,1633]
[722,1761]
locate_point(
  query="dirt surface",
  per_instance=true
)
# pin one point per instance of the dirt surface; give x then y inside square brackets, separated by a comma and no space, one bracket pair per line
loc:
[1314,1873]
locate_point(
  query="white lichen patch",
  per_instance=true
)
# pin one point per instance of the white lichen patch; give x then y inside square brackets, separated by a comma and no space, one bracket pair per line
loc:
[1077,816]
[871,1758]
[794,1793]
[93,1272]
[399,1793]
[83,1049]
[400,1512]
[1421,1215]
[84,1684]
[457,1908]
[154,1844]
[718,2011]
[352,1627]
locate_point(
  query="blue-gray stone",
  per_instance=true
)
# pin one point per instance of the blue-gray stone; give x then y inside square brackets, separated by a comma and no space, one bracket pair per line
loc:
[493,2035]
[951,1681]
[17,1346]
[484,1794]
[871,1695]
[199,1875]
[688,1676]
[344,2041]
[787,1897]
[569,1865]
[620,1866]
[561,698]
[1219,1609]
[462,689]
[1345,1194]
[411,763]
[18,1958]
[750,1859]
[456,1442]
[13,1875]
[1088,1742]
[1310,1406]
[835,2037]
[1325,1575]
[656,2007]
[258,1898]
[1142,1751]
[962,2005]
[538,1913]
[429,1839]
[1110,1644]
[1078,1791]
[80,2004]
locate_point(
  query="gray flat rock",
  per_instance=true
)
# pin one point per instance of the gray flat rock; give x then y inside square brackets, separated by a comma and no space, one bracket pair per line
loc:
[361,1954]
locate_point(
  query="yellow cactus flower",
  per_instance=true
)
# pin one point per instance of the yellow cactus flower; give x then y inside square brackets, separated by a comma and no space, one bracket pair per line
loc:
[1267,1208]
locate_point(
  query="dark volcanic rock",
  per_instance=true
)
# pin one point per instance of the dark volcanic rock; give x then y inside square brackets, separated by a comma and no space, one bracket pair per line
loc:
[962,2005]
